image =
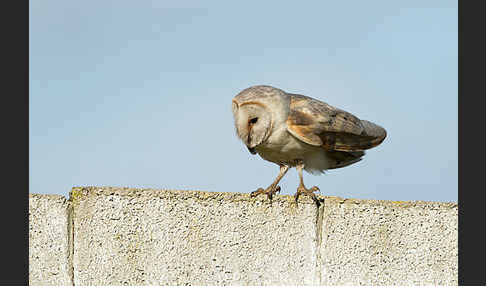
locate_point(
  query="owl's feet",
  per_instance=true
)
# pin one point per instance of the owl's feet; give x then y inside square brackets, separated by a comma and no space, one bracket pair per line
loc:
[270,191]
[310,192]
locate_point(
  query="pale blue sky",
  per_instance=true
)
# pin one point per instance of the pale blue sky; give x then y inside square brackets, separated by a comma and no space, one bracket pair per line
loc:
[138,93]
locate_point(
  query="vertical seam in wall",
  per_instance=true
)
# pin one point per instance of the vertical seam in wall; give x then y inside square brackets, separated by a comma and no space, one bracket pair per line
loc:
[319,219]
[71,240]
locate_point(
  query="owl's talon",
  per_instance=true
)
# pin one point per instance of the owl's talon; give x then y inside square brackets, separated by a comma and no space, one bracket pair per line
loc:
[310,192]
[274,191]
[268,191]
[257,192]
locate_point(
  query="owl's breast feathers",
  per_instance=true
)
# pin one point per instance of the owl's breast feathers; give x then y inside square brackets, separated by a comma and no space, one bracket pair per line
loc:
[320,124]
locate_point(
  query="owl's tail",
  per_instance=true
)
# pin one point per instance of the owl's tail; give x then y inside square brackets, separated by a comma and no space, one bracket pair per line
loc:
[343,159]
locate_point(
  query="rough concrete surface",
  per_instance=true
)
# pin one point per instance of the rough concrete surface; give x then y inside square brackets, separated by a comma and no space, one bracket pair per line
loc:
[163,237]
[122,236]
[49,240]
[388,243]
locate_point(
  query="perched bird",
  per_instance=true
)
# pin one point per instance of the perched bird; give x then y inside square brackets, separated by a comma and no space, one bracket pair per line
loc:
[293,130]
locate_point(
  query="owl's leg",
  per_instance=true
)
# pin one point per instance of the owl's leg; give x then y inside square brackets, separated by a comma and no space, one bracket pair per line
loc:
[273,188]
[302,189]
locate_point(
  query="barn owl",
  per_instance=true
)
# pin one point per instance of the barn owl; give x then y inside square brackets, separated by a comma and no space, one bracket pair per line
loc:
[293,130]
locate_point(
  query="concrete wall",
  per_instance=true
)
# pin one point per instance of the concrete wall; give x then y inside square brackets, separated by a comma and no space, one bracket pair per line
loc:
[388,243]
[50,240]
[124,236]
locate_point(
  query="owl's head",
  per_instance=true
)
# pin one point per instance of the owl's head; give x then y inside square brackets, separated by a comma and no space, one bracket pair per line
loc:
[256,110]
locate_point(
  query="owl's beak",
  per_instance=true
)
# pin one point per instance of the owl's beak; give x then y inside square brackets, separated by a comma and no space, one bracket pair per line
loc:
[252,150]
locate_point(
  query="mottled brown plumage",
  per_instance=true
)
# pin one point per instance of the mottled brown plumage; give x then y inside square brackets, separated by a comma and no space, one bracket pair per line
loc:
[320,124]
[294,130]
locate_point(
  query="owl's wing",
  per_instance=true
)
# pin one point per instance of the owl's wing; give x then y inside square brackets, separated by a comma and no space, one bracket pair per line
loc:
[320,124]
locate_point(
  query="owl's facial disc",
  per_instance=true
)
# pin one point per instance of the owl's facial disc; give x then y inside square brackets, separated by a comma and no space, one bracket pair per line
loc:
[253,124]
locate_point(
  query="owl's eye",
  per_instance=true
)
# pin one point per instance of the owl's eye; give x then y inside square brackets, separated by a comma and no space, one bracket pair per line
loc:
[253,120]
